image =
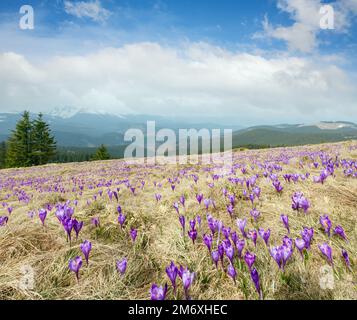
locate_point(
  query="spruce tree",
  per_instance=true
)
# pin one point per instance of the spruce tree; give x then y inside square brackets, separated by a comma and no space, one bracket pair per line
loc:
[2,154]
[43,142]
[101,153]
[20,143]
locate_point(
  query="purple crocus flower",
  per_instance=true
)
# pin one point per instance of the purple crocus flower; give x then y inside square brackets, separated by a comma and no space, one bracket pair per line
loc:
[281,255]
[234,237]
[230,210]
[257,191]
[68,226]
[249,259]
[176,206]
[240,246]
[225,192]
[226,232]
[86,248]
[340,232]
[265,235]
[77,226]
[207,202]
[285,220]
[212,224]
[255,214]
[10,209]
[119,209]
[95,221]
[158,293]
[229,250]
[172,272]
[300,245]
[326,224]
[182,200]
[3,220]
[208,239]
[182,222]
[241,225]
[75,265]
[307,234]
[287,242]
[253,235]
[275,252]
[232,199]
[187,280]
[42,214]
[121,219]
[232,272]
[121,265]
[346,258]
[277,185]
[287,251]
[193,235]
[199,198]
[255,278]
[215,257]
[326,251]
[192,223]
[299,202]
[133,234]
[251,198]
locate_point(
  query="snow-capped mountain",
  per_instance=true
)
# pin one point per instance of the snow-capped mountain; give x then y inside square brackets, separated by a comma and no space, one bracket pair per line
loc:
[68,112]
[63,112]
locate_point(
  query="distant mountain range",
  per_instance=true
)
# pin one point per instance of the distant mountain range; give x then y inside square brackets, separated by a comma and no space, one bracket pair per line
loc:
[92,129]
[73,128]
[298,134]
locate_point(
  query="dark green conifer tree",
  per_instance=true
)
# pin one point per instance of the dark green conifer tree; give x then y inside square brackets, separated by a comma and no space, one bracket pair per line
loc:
[101,153]
[19,153]
[43,142]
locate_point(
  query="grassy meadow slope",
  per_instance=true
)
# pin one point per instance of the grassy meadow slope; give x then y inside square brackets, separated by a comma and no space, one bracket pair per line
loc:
[25,242]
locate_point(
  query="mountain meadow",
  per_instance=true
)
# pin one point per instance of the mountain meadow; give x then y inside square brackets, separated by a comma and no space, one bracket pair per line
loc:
[280,224]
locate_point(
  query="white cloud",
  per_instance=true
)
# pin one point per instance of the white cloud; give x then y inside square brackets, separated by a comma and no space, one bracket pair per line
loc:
[302,35]
[90,9]
[150,78]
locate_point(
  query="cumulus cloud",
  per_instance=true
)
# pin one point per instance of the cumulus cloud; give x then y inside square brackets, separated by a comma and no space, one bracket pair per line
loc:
[90,9]
[302,35]
[149,78]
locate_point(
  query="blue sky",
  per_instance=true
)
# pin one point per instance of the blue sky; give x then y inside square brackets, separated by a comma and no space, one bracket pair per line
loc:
[228,23]
[266,61]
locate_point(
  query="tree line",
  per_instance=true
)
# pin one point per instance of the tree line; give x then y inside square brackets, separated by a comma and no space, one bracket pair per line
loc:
[32,143]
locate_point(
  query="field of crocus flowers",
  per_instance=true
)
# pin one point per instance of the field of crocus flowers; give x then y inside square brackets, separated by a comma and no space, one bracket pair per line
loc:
[281,224]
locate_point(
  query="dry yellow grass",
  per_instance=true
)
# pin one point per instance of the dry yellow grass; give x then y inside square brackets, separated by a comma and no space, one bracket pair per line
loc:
[24,242]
